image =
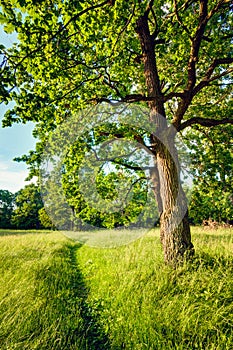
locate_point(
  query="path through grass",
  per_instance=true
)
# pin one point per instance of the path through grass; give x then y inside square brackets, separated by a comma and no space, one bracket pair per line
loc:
[59,295]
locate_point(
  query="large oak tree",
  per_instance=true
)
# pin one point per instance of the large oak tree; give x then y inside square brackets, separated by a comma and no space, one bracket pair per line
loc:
[172,55]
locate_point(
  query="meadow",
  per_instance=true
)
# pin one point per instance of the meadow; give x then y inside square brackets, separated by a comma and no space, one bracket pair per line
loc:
[56,294]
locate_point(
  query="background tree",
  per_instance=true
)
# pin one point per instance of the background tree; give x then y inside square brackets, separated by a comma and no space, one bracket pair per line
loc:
[110,180]
[7,200]
[44,219]
[212,168]
[28,203]
[169,54]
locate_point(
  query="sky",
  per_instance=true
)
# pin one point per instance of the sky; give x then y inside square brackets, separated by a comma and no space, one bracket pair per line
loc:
[14,142]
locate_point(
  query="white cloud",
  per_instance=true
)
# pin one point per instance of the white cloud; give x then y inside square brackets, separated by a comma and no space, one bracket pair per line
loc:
[12,180]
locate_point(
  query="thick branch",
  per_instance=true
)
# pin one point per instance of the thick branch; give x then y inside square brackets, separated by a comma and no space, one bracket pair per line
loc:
[217,7]
[207,122]
[204,18]
[147,43]
[137,137]
[173,94]
[193,59]
[196,43]
[127,99]
[131,167]
[149,8]
[191,90]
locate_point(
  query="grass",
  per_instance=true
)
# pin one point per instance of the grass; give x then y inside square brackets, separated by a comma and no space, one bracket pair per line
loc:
[57,294]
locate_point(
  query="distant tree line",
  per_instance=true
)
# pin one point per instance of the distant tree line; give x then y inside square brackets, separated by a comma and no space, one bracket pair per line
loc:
[23,210]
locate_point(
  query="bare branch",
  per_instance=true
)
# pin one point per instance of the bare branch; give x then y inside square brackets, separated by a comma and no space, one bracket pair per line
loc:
[216,63]
[131,167]
[123,30]
[137,137]
[156,31]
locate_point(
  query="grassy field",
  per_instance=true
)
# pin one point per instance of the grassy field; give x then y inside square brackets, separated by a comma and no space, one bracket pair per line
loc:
[56,294]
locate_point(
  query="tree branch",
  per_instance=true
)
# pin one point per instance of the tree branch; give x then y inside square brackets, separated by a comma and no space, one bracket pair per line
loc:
[190,89]
[150,66]
[93,7]
[217,7]
[207,122]
[75,88]
[131,167]
[216,63]
[196,43]
[173,94]
[126,99]
[137,137]
[62,28]
[207,78]
[179,18]
[111,83]
[149,8]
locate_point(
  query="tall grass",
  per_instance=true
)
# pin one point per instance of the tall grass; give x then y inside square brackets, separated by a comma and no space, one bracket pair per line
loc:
[58,294]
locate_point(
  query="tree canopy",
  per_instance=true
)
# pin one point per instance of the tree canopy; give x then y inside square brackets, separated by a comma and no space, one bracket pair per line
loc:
[7,200]
[28,203]
[212,168]
[73,53]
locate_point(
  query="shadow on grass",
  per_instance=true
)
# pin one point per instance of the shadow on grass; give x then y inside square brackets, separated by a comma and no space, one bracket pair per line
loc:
[93,333]
[210,261]
[62,287]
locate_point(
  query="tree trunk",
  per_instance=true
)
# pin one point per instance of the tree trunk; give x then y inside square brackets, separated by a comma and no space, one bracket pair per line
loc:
[174,225]
[175,230]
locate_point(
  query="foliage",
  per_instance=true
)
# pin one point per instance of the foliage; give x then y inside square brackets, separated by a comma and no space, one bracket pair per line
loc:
[7,200]
[28,202]
[212,169]
[115,183]
[60,295]
[66,58]
[44,219]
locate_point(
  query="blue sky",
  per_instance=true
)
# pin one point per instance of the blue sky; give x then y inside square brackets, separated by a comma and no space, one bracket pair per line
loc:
[14,142]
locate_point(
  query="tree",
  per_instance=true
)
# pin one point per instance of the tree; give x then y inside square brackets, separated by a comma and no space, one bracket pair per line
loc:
[28,203]
[45,220]
[6,208]
[212,169]
[109,183]
[169,55]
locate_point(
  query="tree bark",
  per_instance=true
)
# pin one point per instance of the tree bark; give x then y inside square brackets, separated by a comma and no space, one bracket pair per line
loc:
[174,225]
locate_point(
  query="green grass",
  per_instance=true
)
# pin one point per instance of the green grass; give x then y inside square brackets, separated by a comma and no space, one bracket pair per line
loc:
[57,294]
